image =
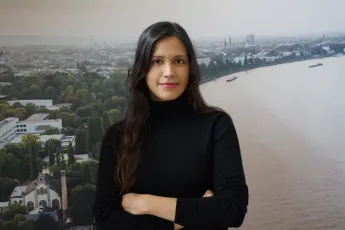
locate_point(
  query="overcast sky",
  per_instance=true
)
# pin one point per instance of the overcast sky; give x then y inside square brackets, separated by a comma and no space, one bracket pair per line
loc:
[125,19]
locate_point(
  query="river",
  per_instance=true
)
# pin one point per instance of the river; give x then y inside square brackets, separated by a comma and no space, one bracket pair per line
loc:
[291,124]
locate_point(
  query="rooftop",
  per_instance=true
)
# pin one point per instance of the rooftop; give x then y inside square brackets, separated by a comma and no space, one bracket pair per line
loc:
[36,102]
[6,121]
[17,192]
[5,83]
[44,138]
[3,204]
[38,117]
[40,121]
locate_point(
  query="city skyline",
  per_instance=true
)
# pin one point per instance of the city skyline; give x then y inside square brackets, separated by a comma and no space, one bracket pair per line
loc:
[201,19]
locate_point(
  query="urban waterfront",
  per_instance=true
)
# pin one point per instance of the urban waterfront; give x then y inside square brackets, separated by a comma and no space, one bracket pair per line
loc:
[290,121]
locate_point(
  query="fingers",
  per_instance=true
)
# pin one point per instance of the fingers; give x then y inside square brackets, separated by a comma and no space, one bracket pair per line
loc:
[208,193]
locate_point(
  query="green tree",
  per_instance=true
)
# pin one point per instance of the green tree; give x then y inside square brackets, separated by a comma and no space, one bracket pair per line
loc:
[50,148]
[81,141]
[106,121]
[84,97]
[7,186]
[45,222]
[8,225]
[31,144]
[82,200]
[26,225]
[9,165]
[17,162]
[95,132]
[70,155]
[50,93]
[59,156]
[115,115]
[51,131]
[13,210]
[96,148]
[30,109]
[33,92]
[68,119]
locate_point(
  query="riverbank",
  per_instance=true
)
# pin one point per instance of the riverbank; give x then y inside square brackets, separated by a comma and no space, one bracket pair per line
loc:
[264,65]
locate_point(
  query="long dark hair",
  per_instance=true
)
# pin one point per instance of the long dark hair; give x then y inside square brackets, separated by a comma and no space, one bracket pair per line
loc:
[135,124]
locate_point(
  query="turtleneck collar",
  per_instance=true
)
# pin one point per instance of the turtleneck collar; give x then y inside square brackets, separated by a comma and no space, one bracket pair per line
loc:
[178,106]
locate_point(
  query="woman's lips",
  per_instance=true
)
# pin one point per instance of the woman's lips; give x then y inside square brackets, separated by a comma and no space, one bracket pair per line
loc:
[168,85]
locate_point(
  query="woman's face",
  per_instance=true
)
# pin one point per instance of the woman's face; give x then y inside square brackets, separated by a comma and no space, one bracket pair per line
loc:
[168,75]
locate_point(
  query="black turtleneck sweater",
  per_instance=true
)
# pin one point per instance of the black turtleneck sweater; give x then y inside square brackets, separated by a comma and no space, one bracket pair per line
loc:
[186,154]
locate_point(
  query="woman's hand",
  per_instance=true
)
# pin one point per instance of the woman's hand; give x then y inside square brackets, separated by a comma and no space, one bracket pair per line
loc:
[138,204]
[135,204]
[208,193]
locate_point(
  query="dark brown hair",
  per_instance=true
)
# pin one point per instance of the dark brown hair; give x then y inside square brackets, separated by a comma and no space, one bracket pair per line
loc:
[135,124]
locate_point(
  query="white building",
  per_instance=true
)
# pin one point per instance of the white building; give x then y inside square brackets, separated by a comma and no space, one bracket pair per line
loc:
[60,106]
[63,139]
[79,158]
[8,128]
[38,117]
[38,103]
[37,126]
[3,206]
[40,192]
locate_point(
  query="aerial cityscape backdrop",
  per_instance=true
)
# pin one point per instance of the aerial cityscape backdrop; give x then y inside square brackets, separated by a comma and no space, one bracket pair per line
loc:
[275,66]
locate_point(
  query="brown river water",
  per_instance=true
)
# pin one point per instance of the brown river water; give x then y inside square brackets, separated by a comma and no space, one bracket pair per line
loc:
[291,124]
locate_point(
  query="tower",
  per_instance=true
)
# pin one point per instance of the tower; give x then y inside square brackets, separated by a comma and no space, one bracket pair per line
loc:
[64,194]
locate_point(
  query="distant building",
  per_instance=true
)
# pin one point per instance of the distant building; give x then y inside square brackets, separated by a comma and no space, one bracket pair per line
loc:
[37,126]
[78,158]
[38,103]
[44,191]
[3,206]
[59,106]
[12,130]
[5,84]
[63,139]
[8,128]
[250,40]
[38,117]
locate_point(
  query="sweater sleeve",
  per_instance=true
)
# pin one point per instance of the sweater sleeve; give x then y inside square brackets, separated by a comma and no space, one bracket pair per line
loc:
[107,209]
[228,207]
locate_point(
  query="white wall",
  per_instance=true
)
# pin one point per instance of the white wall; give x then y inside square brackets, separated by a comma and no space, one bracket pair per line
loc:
[13,200]
[8,129]
[52,193]
[36,127]
[30,197]
[53,196]
[38,103]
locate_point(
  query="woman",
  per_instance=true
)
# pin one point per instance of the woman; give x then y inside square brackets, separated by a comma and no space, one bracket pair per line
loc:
[156,165]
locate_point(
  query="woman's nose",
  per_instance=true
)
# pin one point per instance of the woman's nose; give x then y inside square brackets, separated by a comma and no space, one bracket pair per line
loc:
[169,71]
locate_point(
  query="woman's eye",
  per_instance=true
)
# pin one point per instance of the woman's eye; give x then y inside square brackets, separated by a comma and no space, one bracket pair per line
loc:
[179,61]
[156,61]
